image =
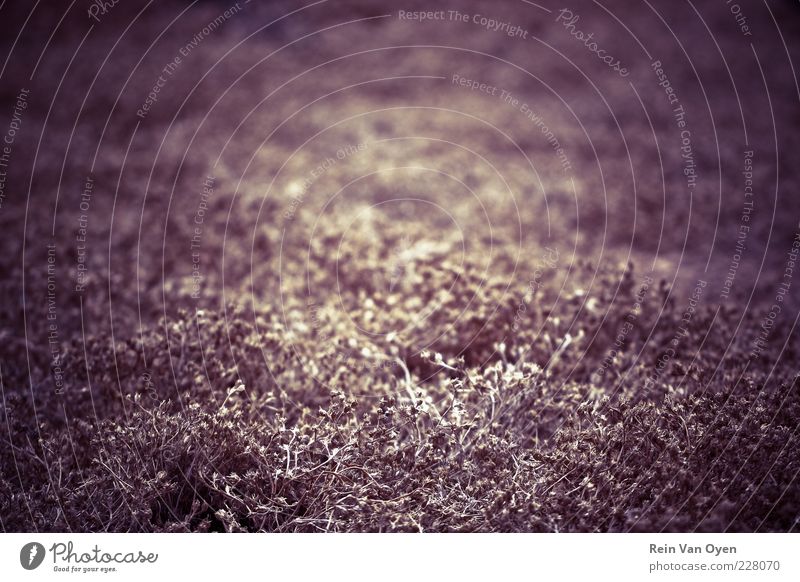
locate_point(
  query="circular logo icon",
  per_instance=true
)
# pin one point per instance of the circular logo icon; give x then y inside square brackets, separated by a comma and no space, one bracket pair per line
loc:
[31,555]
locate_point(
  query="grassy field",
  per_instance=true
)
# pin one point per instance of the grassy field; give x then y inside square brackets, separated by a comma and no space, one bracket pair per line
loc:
[342,270]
